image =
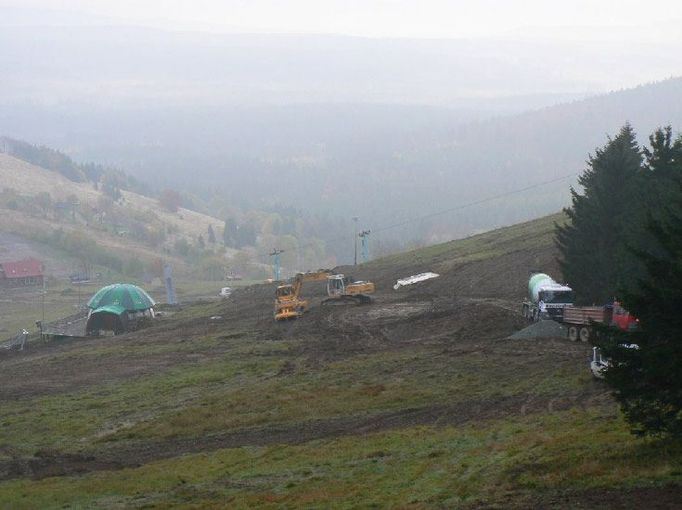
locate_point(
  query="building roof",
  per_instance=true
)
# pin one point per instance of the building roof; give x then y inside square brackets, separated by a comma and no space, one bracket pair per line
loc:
[23,268]
[112,309]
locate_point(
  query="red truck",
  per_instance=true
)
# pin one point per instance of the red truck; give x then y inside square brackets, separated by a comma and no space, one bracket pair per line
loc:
[580,318]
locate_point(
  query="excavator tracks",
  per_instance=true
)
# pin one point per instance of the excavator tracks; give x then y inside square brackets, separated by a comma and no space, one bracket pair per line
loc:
[358,299]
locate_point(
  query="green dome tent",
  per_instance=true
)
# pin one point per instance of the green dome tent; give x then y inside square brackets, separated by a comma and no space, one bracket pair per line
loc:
[112,307]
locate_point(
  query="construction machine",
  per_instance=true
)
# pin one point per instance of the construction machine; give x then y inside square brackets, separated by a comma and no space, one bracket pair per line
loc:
[581,319]
[340,290]
[548,299]
[551,300]
[288,302]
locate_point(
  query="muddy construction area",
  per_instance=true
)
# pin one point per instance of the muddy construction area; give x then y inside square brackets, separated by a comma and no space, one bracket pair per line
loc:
[468,313]
[442,313]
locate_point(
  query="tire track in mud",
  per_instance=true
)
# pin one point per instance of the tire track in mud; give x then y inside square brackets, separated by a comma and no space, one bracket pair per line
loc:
[53,463]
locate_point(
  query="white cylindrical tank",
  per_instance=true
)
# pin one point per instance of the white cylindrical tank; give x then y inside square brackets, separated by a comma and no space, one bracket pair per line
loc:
[536,282]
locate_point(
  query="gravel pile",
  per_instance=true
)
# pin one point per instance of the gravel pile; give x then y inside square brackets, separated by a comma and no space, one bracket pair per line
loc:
[541,329]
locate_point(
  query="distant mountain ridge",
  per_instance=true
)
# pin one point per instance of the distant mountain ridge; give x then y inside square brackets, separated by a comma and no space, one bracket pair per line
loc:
[382,163]
[51,159]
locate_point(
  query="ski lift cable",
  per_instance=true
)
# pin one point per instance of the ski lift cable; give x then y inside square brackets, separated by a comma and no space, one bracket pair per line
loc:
[476,202]
[460,207]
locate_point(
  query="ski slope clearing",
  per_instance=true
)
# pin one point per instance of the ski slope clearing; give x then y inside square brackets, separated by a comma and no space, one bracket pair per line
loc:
[418,400]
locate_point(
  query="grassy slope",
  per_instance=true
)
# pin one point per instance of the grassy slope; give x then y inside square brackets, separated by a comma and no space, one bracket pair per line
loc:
[246,374]
[20,308]
[29,179]
[531,235]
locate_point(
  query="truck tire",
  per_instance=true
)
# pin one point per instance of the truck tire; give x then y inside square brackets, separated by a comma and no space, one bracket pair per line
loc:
[573,333]
[584,334]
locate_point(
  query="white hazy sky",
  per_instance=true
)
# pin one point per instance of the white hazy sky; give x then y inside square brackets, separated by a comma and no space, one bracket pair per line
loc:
[376,18]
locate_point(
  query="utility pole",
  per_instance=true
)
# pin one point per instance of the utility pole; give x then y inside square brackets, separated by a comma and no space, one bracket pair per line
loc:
[43,306]
[40,323]
[364,243]
[171,299]
[355,238]
[276,266]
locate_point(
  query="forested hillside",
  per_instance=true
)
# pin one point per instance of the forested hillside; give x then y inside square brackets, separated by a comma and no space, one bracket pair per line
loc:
[87,211]
[382,163]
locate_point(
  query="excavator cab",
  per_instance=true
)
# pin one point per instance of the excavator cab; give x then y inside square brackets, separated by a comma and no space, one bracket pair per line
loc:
[336,285]
[284,291]
[342,289]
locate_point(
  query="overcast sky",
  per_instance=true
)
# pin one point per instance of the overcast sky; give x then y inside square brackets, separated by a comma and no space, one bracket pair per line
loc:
[374,18]
[494,48]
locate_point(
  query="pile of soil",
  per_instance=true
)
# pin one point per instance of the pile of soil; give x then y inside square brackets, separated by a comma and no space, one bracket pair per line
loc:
[541,329]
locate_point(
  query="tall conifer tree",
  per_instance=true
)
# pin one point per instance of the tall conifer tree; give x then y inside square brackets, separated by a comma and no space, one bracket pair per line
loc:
[663,165]
[593,255]
[644,368]
[230,233]
[648,379]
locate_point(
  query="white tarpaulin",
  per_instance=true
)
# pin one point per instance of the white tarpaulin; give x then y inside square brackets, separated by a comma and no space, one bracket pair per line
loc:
[414,279]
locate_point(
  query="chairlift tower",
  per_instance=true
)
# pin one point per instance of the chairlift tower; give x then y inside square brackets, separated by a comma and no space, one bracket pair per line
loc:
[364,243]
[276,263]
[355,238]
[171,298]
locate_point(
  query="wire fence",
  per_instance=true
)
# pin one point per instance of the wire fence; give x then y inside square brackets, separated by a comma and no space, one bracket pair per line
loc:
[17,342]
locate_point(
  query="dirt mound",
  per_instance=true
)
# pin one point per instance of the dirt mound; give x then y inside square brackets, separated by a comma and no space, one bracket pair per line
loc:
[541,329]
[391,323]
[502,276]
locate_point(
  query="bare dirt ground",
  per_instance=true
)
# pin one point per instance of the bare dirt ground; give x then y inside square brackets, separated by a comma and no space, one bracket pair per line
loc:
[664,497]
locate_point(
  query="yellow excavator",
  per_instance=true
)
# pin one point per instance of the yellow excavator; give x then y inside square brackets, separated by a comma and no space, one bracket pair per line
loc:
[340,289]
[288,303]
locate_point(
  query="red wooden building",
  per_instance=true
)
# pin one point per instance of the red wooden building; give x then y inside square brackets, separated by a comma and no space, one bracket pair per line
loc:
[21,273]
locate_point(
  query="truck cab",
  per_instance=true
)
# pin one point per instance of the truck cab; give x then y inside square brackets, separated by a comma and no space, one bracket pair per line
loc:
[552,302]
[622,319]
[546,298]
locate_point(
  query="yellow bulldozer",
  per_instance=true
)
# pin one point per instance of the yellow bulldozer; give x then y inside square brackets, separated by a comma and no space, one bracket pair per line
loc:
[340,290]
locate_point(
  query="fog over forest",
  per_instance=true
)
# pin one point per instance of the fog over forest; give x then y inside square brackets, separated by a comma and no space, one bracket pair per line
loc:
[385,129]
